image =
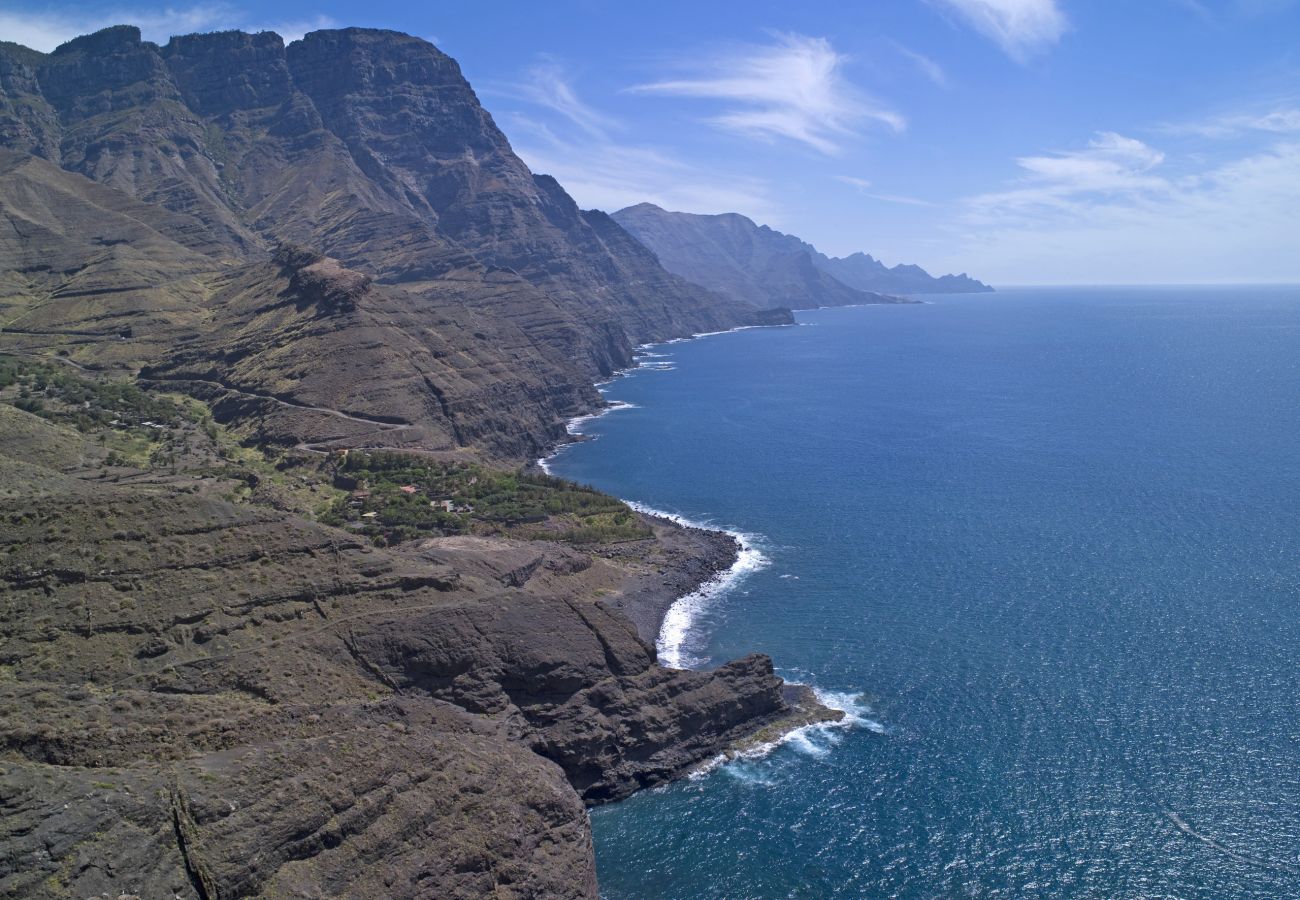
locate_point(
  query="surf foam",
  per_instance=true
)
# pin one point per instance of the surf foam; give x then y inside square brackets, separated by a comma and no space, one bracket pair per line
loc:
[678,624]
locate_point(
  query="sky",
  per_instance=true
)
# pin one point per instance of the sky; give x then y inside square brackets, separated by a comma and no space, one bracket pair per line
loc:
[1021,141]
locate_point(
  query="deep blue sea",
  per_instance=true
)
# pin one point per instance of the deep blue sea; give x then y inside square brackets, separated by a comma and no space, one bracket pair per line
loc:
[1044,545]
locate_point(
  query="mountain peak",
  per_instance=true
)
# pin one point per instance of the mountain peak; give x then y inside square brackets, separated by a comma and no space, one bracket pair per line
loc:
[106,40]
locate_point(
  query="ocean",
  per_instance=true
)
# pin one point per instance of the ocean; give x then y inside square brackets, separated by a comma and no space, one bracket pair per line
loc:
[1043,545]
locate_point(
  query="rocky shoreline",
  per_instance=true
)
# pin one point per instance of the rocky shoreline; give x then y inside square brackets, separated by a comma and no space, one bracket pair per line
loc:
[229,668]
[204,693]
[692,557]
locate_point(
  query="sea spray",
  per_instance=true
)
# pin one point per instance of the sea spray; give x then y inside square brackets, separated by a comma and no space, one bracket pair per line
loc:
[679,622]
[573,427]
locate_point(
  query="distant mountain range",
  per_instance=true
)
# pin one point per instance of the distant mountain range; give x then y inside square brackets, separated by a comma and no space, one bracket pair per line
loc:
[754,264]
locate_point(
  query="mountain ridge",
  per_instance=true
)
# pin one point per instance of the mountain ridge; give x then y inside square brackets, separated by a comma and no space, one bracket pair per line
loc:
[370,147]
[731,253]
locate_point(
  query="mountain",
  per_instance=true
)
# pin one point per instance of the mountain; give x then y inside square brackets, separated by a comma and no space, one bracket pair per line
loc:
[286,611]
[731,254]
[866,273]
[367,147]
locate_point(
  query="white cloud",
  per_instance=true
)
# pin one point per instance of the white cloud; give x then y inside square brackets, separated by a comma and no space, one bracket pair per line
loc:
[793,88]
[548,85]
[47,30]
[1104,215]
[577,146]
[610,176]
[926,66]
[864,187]
[1020,27]
[1280,120]
[1111,164]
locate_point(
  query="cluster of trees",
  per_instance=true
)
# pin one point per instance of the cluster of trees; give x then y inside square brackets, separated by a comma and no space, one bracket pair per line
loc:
[532,505]
[84,403]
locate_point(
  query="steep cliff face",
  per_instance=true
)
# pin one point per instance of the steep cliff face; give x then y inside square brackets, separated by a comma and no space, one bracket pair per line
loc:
[412,123]
[366,146]
[230,700]
[733,255]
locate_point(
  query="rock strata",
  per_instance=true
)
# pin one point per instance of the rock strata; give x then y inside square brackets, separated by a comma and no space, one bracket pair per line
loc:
[227,264]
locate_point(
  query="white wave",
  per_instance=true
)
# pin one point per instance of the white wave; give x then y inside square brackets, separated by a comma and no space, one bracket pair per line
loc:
[574,427]
[681,616]
[816,740]
[857,711]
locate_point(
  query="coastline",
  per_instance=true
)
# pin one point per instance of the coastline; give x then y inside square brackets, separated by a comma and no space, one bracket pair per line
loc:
[704,563]
[706,560]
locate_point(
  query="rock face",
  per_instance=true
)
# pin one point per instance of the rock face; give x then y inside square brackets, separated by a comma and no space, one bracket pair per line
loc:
[174,172]
[205,691]
[732,255]
[204,698]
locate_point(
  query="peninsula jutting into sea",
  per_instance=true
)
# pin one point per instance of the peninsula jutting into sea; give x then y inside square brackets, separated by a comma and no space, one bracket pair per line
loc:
[402,499]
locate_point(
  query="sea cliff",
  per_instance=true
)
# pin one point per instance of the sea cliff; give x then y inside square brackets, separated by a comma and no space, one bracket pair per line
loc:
[281,610]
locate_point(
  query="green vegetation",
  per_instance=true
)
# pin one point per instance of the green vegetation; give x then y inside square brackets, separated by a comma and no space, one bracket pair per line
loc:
[400,496]
[84,403]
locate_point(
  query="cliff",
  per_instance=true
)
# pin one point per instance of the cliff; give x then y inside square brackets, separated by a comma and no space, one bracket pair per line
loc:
[366,146]
[234,660]
[731,254]
[207,691]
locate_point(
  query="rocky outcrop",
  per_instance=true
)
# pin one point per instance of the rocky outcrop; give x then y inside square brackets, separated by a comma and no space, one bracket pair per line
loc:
[731,254]
[207,698]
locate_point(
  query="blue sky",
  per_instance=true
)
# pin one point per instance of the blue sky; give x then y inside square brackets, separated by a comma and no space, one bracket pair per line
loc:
[1023,141]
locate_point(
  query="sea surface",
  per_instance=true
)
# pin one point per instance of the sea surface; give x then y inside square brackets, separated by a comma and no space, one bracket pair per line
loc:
[1044,545]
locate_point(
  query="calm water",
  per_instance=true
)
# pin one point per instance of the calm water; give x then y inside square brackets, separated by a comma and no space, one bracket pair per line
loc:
[1048,540]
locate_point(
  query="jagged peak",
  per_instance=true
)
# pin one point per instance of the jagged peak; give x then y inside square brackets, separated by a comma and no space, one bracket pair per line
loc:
[106,40]
[220,40]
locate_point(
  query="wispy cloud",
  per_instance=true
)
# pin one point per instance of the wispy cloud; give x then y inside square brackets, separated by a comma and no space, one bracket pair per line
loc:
[548,85]
[1110,164]
[865,188]
[793,88]
[1022,28]
[46,30]
[1112,212]
[1228,9]
[923,64]
[566,137]
[1278,120]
